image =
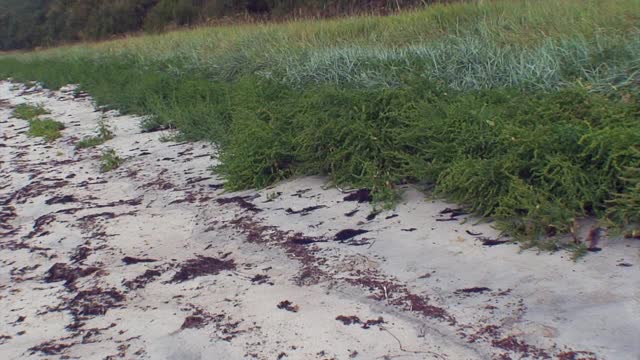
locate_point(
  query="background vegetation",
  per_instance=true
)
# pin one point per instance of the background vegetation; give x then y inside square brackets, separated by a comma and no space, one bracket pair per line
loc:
[31,23]
[524,111]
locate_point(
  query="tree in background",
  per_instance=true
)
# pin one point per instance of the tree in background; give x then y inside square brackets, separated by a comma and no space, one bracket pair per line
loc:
[32,23]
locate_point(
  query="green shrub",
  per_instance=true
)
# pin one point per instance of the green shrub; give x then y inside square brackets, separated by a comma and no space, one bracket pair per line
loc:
[110,160]
[104,134]
[47,128]
[28,111]
[526,112]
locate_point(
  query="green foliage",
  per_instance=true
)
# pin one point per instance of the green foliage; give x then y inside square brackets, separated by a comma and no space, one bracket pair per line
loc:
[526,112]
[28,111]
[47,128]
[624,208]
[110,160]
[31,23]
[104,134]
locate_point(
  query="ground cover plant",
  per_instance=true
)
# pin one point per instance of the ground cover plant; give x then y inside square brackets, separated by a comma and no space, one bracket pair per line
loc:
[103,135]
[28,111]
[527,112]
[109,160]
[47,129]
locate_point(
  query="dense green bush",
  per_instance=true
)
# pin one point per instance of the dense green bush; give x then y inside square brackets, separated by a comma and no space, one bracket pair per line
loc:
[531,129]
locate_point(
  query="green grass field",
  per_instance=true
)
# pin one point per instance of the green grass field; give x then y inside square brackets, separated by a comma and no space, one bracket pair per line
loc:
[527,112]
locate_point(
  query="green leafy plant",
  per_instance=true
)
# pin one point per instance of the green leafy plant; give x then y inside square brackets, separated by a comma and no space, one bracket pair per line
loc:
[110,160]
[28,111]
[104,134]
[525,112]
[46,128]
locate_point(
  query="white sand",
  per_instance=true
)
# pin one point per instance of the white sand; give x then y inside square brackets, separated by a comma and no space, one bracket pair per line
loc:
[536,304]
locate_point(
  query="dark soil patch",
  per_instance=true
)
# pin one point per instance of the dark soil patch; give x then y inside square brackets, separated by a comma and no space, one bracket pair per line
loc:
[130,202]
[50,348]
[453,212]
[348,320]
[105,215]
[348,234]
[6,214]
[197,179]
[473,290]
[300,239]
[398,295]
[141,281]
[81,254]
[94,302]
[372,215]
[128,260]
[201,318]
[492,242]
[305,211]
[33,190]
[39,224]
[351,213]
[18,273]
[361,196]
[202,266]
[288,306]
[489,331]
[577,355]
[239,201]
[68,274]
[351,320]
[260,279]
[515,345]
[299,193]
[158,184]
[61,200]
[5,338]
[193,322]
[372,322]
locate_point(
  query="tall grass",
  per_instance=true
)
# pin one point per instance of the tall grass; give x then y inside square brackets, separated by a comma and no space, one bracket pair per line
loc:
[525,111]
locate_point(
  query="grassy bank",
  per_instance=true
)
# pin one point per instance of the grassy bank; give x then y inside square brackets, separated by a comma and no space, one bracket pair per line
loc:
[525,111]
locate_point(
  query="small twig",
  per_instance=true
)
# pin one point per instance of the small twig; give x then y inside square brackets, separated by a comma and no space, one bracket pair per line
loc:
[437,356]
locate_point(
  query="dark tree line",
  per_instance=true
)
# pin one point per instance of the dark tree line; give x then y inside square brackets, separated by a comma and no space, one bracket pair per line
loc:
[33,23]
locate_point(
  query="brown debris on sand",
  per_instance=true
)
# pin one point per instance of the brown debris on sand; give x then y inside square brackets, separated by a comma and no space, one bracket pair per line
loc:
[289,306]
[361,196]
[351,320]
[241,201]
[128,260]
[141,281]
[201,266]
[68,274]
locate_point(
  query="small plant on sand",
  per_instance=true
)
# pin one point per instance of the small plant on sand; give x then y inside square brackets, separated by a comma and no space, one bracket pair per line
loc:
[104,134]
[28,111]
[271,196]
[48,129]
[110,160]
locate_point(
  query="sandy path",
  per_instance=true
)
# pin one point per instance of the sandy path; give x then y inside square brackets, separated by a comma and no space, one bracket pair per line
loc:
[155,261]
